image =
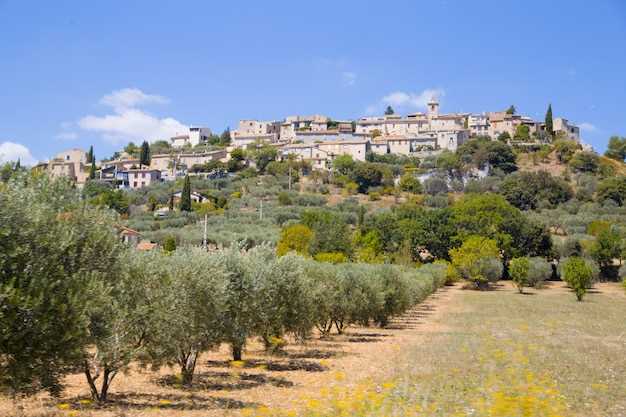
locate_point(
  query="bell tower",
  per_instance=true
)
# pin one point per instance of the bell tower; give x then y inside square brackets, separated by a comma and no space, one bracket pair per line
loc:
[433,108]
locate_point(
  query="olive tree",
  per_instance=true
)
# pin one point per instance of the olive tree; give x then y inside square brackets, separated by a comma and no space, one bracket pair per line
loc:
[189,316]
[539,271]
[54,249]
[121,319]
[477,261]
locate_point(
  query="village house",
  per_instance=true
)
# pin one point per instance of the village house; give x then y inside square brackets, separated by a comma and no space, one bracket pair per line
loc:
[71,164]
[137,178]
[192,137]
[251,131]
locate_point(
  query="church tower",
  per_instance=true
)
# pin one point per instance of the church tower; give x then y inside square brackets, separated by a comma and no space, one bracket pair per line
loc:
[433,108]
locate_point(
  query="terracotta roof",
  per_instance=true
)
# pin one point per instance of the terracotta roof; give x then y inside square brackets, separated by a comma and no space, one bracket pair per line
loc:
[146,245]
[127,230]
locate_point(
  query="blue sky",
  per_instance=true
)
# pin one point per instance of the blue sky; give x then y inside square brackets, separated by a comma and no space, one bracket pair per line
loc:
[76,73]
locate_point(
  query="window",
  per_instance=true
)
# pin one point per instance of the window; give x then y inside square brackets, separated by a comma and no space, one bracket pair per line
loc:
[135,184]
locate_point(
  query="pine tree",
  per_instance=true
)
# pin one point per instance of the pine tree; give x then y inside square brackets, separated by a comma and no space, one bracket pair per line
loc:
[185,198]
[389,111]
[144,156]
[549,122]
[90,156]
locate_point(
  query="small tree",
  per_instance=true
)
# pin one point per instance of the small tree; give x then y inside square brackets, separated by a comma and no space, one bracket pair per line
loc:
[472,260]
[578,274]
[144,155]
[605,249]
[185,198]
[518,270]
[617,148]
[549,121]
[169,244]
[389,111]
[410,184]
[511,110]
[539,271]
[297,238]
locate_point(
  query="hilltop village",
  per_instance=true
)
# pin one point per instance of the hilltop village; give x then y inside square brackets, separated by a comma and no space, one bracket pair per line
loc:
[315,140]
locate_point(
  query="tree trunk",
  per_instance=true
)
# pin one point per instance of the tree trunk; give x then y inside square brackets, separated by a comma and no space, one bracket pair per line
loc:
[237,348]
[188,367]
[339,326]
[107,378]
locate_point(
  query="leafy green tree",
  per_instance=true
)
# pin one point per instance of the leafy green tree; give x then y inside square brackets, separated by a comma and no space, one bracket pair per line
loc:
[616,148]
[54,249]
[389,111]
[578,275]
[367,175]
[237,159]
[549,122]
[518,270]
[114,199]
[504,137]
[585,162]
[330,231]
[185,198]
[263,156]
[132,149]
[344,164]
[410,184]
[606,248]
[297,238]
[613,189]
[490,215]
[565,149]
[522,133]
[144,154]
[526,189]
[511,109]
[474,260]
[225,137]
[482,151]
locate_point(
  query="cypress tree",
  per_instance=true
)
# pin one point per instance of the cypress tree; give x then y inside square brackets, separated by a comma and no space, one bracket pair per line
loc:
[549,122]
[92,170]
[185,198]
[144,155]
[18,165]
[90,156]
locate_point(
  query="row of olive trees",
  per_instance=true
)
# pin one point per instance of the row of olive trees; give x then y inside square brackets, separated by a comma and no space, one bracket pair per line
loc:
[72,297]
[167,309]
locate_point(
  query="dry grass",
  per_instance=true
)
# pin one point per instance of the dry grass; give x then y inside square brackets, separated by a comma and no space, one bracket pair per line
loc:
[495,353]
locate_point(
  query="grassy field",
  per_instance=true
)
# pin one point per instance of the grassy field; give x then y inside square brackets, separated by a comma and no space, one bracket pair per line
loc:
[499,353]
[461,353]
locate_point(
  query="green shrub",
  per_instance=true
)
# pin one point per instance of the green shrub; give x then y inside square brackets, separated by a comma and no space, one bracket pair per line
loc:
[579,276]
[518,270]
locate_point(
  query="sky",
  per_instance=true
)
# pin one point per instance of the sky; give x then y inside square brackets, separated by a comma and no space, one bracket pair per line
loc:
[81,73]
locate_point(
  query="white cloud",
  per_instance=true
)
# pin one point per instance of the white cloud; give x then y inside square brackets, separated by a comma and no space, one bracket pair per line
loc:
[130,97]
[587,127]
[406,100]
[67,136]
[128,121]
[349,78]
[412,100]
[11,151]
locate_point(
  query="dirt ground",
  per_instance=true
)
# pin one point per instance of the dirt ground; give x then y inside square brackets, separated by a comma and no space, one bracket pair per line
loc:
[285,381]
